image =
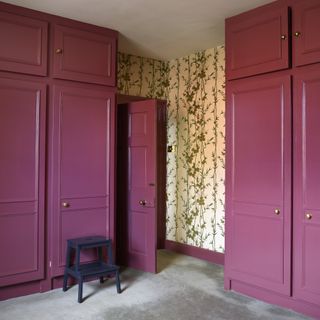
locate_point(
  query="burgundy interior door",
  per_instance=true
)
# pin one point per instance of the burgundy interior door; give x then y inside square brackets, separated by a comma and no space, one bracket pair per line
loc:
[22,164]
[23,44]
[259,182]
[81,160]
[306,36]
[257,41]
[307,187]
[84,56]
[142,224]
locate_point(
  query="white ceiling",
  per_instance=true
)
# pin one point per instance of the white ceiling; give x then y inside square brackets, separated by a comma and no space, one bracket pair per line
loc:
[162,29]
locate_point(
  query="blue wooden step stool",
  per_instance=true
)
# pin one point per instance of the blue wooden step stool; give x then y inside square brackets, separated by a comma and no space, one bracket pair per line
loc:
[99,268]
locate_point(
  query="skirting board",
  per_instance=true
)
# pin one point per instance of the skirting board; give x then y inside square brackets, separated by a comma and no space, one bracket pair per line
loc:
[204,254]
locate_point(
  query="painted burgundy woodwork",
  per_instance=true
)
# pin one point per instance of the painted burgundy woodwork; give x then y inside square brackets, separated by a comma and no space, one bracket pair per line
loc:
[22,141]
[80,166]
[85,56]
[141,175]
[306,22]
[259,116]
[142,222]
[253,41]
[307,187]
[23,44]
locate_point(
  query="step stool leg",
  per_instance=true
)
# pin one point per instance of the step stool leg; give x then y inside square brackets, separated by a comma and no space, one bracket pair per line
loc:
[65,281]
[65,277]
[118,282]
[80,289]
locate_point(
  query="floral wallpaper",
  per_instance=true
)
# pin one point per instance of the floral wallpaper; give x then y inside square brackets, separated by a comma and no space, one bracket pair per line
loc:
[194,87]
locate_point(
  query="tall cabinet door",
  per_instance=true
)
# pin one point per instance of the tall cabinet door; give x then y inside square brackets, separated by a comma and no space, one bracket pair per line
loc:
[307,187]
[81,166]
[258,182]
[22,164]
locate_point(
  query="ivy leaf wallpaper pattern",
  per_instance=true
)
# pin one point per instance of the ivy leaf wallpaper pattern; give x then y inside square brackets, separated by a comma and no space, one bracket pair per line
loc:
[194,87]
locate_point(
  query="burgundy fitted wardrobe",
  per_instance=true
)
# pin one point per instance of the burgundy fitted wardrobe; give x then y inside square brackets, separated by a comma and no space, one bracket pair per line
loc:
[57,133]
[273,157]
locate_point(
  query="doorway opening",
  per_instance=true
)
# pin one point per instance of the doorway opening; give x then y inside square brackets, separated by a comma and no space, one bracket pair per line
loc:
[141,181]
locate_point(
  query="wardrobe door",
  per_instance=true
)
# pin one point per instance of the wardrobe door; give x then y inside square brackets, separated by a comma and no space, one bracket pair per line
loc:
[306,36]
[257,41]
[22,164]
[23,44]
[307,186]
[80,166]
[258,182]
[84,56]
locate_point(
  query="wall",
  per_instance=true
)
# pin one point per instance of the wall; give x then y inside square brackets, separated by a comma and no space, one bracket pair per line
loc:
[194,87]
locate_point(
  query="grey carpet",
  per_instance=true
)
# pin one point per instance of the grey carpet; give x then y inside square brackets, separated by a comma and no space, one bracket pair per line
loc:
[185,288]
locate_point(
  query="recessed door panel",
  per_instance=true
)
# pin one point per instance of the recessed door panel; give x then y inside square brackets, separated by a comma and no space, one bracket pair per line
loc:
[23,44]
[80,166]
[22,164]
[306,37]
[259,217]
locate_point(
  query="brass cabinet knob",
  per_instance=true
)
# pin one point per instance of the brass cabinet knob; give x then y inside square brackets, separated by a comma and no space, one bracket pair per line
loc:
[297,34]
[283,37]
[59,50]
[277,211]
[309,216]
[65,204]
[142,202]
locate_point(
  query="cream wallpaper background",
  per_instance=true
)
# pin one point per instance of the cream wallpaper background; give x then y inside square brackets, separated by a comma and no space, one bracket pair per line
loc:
[194,87]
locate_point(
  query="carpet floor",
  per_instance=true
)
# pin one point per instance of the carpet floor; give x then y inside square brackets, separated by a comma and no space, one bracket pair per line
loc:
[184,288]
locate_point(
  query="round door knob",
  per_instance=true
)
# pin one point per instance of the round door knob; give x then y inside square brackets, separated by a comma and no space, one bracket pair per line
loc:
[297,34]
[59,50]
[142,202]
[277,211]
[308,216]
[283,37]
[65,204]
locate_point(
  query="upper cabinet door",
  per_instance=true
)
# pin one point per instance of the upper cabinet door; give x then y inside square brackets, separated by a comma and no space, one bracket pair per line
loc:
[84,56]
[307,187]
[257,41]
[306,35]
[23,44]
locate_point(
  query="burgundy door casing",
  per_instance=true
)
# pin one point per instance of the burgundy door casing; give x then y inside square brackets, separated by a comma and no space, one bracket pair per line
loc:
[22,176]
[142,221]
[23,44]
[258,182]
[257,41]
[306,258]
[84,56]
[80,166]
[306,36]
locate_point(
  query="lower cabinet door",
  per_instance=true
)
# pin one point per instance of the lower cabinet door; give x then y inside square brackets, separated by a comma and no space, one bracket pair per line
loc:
[80,160]
[22,165]
[258,217]
[307,186]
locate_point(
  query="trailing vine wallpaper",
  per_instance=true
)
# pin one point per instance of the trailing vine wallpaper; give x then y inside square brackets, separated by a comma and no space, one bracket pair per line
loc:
[194,87]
